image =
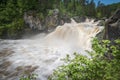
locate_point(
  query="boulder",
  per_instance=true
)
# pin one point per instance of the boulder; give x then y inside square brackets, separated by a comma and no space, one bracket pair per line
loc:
[64,19]
[101,23]
[79,19]
[51,22]
[112,26]
[55,11]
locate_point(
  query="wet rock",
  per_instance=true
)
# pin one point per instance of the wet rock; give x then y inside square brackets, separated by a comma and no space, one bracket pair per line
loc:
[65,18]
[3,70]
[55,11]
[79,19]
[19,68]
[112,26]
[6,73]
[29,69]
[51,22]
[100,35]
[104,18]
[17,73]
[96,20]
[6,52]
[26,69]
[13,74]
[5,65]
[101,23]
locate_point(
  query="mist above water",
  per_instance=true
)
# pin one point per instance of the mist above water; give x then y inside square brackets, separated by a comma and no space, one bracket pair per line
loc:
[46,51]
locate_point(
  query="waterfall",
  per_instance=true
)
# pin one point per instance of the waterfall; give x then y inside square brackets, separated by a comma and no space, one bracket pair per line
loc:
[42,53]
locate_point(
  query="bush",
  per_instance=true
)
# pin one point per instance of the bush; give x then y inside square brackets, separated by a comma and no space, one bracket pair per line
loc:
[103,64]
[12,30]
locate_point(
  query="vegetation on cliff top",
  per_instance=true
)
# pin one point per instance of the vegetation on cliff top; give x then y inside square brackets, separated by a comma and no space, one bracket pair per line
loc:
[12,11]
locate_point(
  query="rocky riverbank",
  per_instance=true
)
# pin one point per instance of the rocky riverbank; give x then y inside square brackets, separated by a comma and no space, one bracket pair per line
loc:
[33,23]
[112,26]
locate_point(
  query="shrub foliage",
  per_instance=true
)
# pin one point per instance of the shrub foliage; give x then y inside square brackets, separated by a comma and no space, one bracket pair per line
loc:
[103,64]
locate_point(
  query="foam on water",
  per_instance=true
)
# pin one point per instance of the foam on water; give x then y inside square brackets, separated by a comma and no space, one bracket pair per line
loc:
[47,52]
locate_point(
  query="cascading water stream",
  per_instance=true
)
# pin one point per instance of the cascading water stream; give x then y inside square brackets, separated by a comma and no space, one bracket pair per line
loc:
[41,55]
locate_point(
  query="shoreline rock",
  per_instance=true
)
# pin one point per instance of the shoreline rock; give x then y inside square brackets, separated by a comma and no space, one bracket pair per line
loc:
[112,26]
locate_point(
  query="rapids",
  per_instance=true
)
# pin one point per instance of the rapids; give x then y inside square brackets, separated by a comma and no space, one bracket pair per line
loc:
[42,53]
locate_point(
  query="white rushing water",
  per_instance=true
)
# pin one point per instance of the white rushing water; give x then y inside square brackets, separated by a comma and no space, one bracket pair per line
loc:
[47,51]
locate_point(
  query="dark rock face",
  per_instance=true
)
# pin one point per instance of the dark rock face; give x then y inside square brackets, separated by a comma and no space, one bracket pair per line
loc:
[112,27]
[49,23]
[101,23]
[79,19]
[33,21]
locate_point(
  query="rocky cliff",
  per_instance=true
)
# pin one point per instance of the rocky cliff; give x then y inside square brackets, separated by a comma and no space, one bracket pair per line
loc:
[51,21]
[112,26]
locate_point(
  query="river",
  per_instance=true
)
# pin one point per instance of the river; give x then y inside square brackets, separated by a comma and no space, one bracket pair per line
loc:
[41,54]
